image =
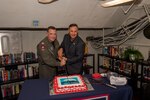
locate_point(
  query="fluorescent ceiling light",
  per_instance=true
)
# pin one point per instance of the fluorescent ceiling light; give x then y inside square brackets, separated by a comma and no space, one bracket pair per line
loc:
[45,1]
[115,2]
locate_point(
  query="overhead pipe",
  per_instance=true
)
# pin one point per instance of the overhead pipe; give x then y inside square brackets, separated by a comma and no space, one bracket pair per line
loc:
[132,28]
[147,11]
[136,30]
[126,11]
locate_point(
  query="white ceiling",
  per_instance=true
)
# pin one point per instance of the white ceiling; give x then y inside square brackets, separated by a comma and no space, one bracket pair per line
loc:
[86,13]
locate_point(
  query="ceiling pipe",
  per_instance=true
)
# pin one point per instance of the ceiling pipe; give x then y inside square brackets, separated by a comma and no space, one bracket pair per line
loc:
[147,11]
[115,38]
[126,11]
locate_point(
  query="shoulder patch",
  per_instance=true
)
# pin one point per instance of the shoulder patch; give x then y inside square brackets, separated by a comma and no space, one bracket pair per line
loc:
[42,46]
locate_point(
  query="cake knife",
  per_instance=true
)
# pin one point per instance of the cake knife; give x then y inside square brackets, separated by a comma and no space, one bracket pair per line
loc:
[110,85]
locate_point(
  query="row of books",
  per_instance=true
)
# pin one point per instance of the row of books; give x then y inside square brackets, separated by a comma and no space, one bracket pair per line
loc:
[29,56]
[116,51]
[20,73]
[11,89]
[146,72]
[111,50]
[17,58]
[117,65]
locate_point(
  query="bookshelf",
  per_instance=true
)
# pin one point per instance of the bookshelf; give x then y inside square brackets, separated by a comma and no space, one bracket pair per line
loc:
[86,66]
[137,71]
[113,59]
[13,71]
[121,66]
[145,72]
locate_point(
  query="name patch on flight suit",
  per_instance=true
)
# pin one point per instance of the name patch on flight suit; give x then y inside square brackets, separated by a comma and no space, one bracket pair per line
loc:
[42,46]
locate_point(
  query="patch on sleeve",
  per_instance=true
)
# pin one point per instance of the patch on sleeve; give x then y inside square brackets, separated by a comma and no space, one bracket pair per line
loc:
[42,46]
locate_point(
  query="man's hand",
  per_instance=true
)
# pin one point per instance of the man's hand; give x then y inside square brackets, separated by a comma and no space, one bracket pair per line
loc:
[60,54]
[64,58]
[62,62]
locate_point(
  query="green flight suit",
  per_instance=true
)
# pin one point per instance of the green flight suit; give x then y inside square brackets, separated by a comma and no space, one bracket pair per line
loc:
[47,56]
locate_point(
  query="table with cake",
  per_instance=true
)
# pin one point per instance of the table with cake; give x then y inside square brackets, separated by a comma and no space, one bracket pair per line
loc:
[74,87]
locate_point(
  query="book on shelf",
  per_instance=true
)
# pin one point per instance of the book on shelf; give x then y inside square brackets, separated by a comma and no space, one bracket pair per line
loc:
[20,73]
[106,62]
[16,58]
[146,73]
[11,89]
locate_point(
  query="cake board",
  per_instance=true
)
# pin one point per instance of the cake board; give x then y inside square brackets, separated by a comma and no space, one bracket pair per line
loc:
[89,86]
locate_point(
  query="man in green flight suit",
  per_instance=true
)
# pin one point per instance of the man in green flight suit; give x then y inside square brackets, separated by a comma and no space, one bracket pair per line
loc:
[47,51]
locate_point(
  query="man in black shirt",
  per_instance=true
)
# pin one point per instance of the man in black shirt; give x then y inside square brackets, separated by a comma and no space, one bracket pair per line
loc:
[72,47]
